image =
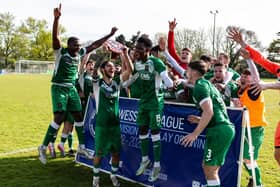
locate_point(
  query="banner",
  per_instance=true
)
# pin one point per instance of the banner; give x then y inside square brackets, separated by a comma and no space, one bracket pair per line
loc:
[180,166]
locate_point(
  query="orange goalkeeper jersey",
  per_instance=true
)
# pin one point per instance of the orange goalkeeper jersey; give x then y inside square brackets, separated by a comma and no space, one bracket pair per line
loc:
[270,66]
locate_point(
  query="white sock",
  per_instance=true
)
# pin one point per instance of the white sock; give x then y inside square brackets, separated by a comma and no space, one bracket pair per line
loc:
[145,158]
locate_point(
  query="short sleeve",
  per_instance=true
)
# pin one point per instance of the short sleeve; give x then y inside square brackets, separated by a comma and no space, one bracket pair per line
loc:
[234,90]
[201,91]
[159,65]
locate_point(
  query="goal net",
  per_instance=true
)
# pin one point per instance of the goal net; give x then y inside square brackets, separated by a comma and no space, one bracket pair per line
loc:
[34,66]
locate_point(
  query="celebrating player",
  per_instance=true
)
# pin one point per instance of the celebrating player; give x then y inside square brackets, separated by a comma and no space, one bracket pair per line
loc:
[152,72]
[107,130]
[64,94]
[220,131]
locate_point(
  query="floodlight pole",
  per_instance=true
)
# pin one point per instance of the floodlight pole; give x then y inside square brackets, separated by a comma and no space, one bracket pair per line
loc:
[215,12]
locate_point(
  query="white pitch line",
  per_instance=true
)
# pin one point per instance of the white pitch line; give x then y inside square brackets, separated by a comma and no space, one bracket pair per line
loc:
[18,151]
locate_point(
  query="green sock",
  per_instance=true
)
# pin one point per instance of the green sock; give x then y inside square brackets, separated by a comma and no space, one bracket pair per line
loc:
[70,140]
[258,176]
[52,140]
[50,135]
[144,146]
[114,168]
[63,138]
[257,172]
[157,149]
[80,133]
[247,169]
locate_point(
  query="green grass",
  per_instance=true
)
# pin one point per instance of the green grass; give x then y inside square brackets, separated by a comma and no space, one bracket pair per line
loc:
[25,112]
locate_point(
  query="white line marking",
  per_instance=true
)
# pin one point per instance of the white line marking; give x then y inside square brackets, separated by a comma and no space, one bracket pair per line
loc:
[18,151]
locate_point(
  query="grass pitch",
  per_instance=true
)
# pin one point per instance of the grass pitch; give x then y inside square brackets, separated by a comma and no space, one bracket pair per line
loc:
[25,112]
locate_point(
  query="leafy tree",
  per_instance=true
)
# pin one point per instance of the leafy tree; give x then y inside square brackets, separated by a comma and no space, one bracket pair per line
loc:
[40,37]
[193,39]
[12,43]
[273,55]
[233,49]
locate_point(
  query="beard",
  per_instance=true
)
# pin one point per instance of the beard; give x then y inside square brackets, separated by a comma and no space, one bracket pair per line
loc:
[109,75]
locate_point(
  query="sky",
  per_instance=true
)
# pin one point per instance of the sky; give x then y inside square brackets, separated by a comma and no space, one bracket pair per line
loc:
[91,19]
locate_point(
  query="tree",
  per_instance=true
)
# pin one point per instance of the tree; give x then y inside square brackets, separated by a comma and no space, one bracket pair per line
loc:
[233,49]
[273,55]
[274,50]
[11,40]
[193,39]
[40,37]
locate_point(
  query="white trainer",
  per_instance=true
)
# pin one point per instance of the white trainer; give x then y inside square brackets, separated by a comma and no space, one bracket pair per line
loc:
[42,154]
[115,181]
[95,181]
[155,174]
[142,167]
[84,151]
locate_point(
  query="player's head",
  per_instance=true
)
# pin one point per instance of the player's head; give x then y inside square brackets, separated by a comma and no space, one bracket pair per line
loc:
[89,66]
[155,51]
[245,78]
[118,69]
[108,69]
[219,71]
[207,59]
[142,48]
[224,58]
[73,45]
[196,69]
[186,55]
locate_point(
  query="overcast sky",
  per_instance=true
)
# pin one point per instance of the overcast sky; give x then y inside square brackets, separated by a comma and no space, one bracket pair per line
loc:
[90,19]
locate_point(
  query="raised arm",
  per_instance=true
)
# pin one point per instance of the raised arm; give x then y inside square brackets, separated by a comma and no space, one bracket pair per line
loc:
[171,41]
[98,43]
[173,63]
[253,69]
[83,63]
[127,66]
[257,57]
[55,35]
[170,59]
[272,67]
[235,35]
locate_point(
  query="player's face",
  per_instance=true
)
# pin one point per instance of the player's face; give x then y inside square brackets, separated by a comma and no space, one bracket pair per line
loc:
[219,73]
[190,75]
[245,79]
[109,70]
[74,47]
[131,55]
[186,56]
[89,67]
[140,52]
[118,69]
